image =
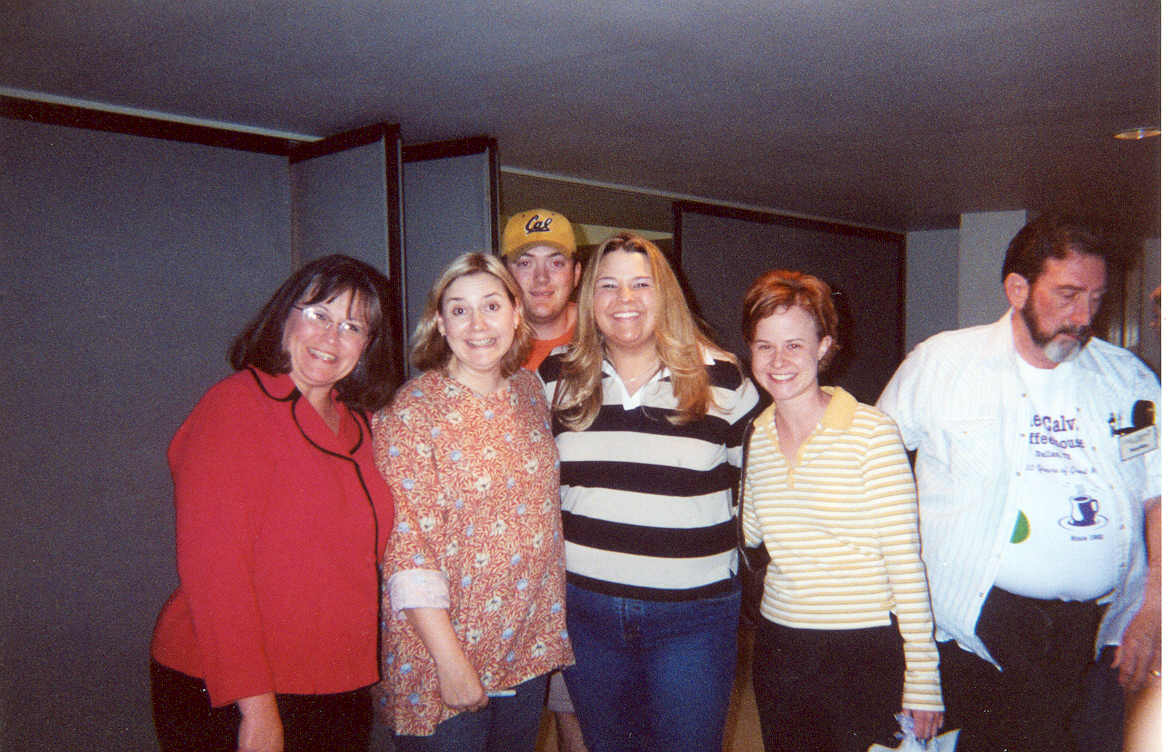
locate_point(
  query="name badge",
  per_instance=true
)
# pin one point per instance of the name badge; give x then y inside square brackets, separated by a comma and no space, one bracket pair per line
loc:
[1136,443]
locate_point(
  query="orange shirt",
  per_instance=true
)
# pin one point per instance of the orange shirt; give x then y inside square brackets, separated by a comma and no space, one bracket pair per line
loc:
[541,348]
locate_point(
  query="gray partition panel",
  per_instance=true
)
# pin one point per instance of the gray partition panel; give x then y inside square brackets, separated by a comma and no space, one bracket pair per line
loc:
[129,264]
[339,205]
[722,252]
[449,209]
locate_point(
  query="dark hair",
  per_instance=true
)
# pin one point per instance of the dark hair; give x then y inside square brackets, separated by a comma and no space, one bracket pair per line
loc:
[1048,236]
[261,344]
[781,288]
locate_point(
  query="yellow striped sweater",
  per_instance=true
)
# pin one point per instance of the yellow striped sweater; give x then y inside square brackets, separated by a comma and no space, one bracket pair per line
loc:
[841,527]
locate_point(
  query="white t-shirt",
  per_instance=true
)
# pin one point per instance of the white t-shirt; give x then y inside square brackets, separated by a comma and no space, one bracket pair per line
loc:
[1062,546]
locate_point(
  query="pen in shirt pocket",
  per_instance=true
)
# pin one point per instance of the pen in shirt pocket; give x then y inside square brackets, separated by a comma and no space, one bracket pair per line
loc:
[501,693]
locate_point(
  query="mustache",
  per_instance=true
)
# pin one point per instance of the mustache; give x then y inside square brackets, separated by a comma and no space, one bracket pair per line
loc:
[1081,333]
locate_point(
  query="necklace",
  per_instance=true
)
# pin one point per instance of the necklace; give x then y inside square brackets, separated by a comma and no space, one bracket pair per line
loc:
[631,384]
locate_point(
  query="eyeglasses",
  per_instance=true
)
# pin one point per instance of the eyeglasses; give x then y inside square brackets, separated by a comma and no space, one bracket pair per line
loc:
[318,318]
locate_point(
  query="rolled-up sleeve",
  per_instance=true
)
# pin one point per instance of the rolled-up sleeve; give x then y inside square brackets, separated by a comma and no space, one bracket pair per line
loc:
[413,564]
[418,588]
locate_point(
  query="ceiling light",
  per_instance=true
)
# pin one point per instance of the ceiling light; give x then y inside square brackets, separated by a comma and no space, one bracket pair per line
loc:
[1135,134]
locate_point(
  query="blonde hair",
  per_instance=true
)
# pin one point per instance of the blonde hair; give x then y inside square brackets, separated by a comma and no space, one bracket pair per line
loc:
[680,344]
[428,348]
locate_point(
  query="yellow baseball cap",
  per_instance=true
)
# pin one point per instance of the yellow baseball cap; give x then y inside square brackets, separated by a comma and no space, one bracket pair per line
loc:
[538,227]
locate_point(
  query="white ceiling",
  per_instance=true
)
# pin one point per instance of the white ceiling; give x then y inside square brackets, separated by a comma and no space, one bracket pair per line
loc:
[899,114]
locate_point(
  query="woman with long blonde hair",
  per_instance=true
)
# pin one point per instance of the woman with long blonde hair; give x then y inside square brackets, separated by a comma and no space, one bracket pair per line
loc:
[648,416]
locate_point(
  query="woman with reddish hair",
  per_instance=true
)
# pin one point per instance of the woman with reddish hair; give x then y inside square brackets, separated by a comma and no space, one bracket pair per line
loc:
[846,638]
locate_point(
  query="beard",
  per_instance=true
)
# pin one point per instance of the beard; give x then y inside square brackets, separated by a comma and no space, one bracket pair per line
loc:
[1056,350]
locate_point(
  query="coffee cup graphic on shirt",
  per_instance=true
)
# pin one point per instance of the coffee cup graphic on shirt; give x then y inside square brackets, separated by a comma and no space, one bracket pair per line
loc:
[1084,513]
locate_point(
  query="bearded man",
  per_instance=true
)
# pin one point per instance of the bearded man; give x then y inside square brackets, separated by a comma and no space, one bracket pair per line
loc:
[1038,475]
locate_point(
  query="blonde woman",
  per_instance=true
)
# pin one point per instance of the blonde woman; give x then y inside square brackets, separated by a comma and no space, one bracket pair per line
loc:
[473,609]
[649,416]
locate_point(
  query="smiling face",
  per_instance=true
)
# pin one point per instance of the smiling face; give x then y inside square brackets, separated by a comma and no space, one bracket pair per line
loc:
[478,320]
[626,302]
[785,354]
[320,349]
[547,278]
[1057,309]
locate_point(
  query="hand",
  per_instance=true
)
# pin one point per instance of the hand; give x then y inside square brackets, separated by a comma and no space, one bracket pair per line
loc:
[460,686]
[926,723]
[458,682]
[1139,652]
[260,729]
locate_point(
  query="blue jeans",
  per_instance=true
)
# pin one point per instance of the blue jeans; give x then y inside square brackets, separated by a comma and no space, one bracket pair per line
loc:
[507,724]
[652,675]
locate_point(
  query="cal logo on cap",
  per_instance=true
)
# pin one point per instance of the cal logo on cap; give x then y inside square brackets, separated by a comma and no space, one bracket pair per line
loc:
[538,227]
[535,224]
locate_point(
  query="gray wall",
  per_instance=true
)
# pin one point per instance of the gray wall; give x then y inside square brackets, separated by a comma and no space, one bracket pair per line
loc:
[930,300]
[129,263]
[982,241]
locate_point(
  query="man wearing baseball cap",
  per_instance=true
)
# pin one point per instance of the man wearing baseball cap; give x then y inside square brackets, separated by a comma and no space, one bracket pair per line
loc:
[539,248]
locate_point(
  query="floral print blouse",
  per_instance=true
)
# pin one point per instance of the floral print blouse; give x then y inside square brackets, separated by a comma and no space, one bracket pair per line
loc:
[476,482]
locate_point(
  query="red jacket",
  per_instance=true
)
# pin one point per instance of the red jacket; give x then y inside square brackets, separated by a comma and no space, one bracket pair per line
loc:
[280,526]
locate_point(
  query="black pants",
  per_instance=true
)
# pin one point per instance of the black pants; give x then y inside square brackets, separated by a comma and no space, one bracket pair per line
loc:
[185,721]
[1035,703]
[827,690]
[1100,725]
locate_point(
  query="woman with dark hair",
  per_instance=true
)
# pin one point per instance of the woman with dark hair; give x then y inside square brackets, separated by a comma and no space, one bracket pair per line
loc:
[846,636]
[473,609]
[270,641]
[649,417]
